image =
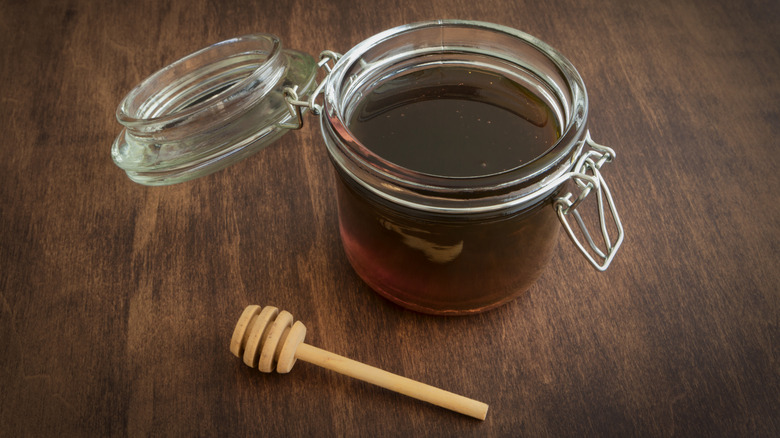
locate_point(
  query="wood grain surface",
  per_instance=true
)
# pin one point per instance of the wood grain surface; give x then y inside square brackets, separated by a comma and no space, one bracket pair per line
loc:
[117,301]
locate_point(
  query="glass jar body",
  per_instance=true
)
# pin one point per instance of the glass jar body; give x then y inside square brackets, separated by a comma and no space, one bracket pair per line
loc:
[444,264]
[438,243]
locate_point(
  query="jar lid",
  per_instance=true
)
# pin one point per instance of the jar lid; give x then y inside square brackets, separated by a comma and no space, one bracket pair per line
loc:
[210,109]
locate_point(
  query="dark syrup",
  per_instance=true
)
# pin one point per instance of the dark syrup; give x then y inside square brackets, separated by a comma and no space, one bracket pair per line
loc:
[449,122]
[454,122]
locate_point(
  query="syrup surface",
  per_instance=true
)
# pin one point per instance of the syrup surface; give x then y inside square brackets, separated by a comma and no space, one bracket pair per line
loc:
[454,122]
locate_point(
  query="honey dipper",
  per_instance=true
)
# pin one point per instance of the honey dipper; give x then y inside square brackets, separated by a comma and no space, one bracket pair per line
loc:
[267,338]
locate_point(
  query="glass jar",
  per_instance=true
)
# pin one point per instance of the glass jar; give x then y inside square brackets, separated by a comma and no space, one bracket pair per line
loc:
[440,226]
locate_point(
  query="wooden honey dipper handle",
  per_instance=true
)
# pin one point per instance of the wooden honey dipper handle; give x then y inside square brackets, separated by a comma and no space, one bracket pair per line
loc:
[393,382]
[265,337]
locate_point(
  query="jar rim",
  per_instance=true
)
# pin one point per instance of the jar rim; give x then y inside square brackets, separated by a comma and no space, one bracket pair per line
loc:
[509,188]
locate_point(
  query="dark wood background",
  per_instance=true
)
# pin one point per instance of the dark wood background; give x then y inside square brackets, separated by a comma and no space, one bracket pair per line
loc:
[117,301]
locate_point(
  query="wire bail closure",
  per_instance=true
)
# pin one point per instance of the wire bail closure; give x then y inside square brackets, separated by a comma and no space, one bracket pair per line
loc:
[588,177]
[297,107]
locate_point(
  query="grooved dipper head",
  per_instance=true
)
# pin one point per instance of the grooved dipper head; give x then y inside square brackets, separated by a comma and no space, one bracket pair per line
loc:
[267,338]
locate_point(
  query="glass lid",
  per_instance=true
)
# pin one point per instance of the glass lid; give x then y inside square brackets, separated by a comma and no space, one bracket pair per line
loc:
[209,109]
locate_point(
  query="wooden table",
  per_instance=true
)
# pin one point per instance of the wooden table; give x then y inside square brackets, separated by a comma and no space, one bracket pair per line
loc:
[117,301]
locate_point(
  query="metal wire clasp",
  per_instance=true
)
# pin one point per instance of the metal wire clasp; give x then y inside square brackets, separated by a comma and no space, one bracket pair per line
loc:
[587,176]
[295,106]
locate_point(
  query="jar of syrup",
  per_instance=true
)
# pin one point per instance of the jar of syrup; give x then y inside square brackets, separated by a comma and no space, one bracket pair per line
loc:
[459,148]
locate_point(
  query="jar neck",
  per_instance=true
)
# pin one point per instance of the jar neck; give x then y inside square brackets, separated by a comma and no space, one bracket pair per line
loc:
[510,53]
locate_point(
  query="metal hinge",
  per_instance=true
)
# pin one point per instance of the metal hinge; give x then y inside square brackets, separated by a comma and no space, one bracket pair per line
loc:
[296,106]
